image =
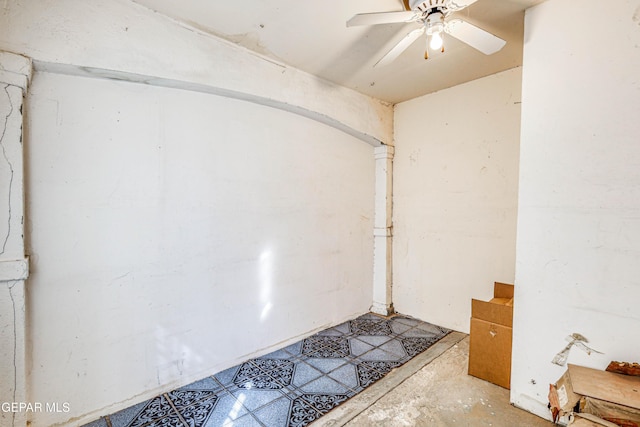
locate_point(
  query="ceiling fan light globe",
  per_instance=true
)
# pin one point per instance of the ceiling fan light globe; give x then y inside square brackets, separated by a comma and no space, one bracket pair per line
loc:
[436,41]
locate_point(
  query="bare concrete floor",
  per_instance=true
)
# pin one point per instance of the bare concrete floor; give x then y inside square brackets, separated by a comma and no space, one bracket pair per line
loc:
[439,393]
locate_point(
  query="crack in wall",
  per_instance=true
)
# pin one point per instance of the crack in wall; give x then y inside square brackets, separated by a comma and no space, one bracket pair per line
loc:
[4,154]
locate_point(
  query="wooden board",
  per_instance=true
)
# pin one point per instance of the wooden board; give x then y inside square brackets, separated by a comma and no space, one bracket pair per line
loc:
[616,388]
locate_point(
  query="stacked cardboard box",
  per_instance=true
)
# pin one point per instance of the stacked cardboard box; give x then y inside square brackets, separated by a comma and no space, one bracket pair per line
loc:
[491,334]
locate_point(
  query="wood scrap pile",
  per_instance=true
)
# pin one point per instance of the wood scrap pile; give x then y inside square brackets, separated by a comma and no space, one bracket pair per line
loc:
[591,397]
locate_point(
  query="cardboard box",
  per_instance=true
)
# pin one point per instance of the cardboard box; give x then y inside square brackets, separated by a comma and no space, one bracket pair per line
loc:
[491,335]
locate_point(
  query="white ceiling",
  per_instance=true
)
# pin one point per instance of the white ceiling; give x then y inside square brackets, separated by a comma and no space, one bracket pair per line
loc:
[312,36]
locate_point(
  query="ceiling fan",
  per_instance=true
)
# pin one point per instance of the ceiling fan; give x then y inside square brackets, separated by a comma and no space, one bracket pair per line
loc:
[433,15]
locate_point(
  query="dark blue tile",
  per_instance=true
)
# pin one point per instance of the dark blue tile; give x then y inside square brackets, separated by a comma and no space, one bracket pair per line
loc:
[324,402]
[276,414]
[294,349]
[325,365]
[394,347]
[346,375]
[406,320]
[304,373]
[182,398]
[399,327]
[370,327]
[198,414]
[227,411]
[302,412]
[328,347]
[375,340]
[435,330]
[225,378]
[380,355]
[341,329]
[207,383]
[140,414]
[416,345]
[293,386]
[359,347]
[417,332]
[372,371]
[325,385]
[244,421]
[97,423]
[254,399]
[277,354]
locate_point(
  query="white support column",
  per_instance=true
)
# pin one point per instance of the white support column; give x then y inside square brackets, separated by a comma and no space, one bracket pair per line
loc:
[382,300]
[15,72]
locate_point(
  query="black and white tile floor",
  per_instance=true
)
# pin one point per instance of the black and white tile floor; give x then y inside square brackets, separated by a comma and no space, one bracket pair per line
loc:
[293,386]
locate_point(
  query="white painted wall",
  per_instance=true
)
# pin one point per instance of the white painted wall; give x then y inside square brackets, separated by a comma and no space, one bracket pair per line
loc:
[455,194]
[578,245]
[174,234]
[122,39]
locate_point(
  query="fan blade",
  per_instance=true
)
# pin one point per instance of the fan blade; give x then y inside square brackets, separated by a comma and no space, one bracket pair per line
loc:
[456,5]
[381,18]
[474,36]
[400,47]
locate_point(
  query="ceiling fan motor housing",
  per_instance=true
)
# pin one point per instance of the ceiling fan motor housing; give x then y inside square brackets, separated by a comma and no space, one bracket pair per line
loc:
[428,6]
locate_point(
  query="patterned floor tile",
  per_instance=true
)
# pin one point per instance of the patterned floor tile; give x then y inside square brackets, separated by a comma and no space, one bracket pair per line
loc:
[380,355]
[228,410]
[155,410]
[394,347]
[340,330]
[324,402]
[319,346]
[325,365]
[399,327]
[346,375]
[325,384]
[207,383]
[225,378]
[370,372]
[198,414]
[435,330]
[293,386]
[255,399]
[359,347]
[416,345]
[278,354]
[275,414]
[270,374]
[182,398]
[304,373]
[302,413]
[244,421]
[375,341]
[406,320]
[294,349]
[370,327]
[417,332]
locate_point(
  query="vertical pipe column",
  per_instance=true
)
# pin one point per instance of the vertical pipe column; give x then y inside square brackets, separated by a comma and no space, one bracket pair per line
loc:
[15,73]
[382,232]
